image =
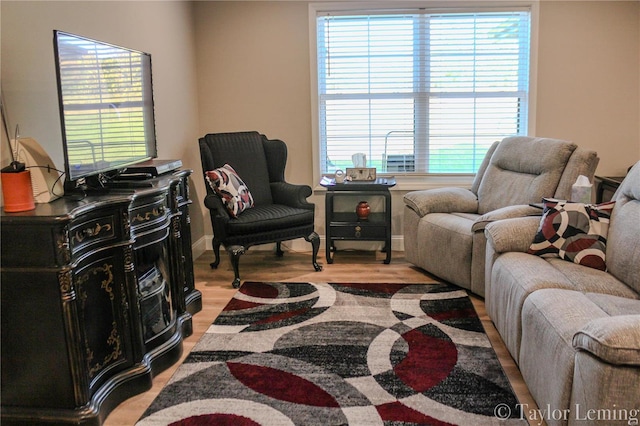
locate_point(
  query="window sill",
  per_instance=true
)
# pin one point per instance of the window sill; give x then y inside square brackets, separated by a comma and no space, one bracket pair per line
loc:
[414,183]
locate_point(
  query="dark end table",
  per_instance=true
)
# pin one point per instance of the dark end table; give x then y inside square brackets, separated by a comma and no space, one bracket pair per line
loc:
[346,225]
[606,186]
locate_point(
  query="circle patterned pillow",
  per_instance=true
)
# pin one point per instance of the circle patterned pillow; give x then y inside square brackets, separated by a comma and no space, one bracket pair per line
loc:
[576,232]
[231,188]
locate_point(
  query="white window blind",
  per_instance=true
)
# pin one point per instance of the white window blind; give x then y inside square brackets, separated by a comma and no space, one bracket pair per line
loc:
[420,92]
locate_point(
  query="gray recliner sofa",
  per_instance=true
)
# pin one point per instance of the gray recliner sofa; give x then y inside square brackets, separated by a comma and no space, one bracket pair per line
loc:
[573,330]
[444,227]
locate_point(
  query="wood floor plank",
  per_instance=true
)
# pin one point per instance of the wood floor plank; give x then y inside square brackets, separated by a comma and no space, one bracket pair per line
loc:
[348,266]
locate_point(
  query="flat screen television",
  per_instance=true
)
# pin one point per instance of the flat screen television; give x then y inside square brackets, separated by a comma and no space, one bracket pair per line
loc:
[106,109]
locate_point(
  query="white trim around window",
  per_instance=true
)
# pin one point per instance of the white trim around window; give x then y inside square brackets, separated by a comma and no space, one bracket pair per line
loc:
[416,178]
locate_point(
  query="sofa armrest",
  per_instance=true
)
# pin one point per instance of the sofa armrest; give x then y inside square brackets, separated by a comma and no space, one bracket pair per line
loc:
[291,195]
[615,340]
[442,200]
[507,212]
[515,234]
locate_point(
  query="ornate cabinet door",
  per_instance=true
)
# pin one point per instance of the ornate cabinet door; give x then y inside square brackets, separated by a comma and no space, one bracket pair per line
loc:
[103,316]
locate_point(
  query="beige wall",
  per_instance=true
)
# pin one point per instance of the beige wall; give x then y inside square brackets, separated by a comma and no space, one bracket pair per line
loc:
[243,65]
[589,78]
[253,73]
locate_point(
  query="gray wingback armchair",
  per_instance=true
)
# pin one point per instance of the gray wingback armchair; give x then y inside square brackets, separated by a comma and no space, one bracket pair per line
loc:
[444,227]
[281,211]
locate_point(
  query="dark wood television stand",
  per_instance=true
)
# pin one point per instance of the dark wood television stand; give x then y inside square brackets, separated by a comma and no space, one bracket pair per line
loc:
[97,296]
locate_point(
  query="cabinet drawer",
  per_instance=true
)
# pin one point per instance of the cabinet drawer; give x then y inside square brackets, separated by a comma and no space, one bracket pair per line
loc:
[101,229]
[150,213]
[361,231]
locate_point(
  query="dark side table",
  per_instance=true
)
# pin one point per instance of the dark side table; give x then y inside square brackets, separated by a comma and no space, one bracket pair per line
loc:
[606,186]
[346,225]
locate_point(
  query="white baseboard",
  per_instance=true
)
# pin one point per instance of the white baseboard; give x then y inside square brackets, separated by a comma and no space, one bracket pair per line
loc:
[301,245]
[199,247]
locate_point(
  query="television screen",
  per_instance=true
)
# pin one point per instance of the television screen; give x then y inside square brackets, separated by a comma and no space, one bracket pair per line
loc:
[106,105]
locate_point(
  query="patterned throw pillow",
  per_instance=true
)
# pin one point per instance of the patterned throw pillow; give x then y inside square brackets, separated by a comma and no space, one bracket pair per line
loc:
[233,191]
[575,232]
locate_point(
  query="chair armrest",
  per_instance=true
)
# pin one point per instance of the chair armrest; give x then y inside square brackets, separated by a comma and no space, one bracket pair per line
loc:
[219,215]
[507,212]
[291,195]
[615,340]
[214,203]
[442,200]
[514,234]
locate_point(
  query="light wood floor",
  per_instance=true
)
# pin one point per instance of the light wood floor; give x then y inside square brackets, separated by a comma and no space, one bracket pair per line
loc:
[349,266]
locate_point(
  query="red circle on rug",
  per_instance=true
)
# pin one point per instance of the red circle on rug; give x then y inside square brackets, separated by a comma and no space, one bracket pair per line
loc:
[258,289]
[429,361]
[215,419]
[281,385]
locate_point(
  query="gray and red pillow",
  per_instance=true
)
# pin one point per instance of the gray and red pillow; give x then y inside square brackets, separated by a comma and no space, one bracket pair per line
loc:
[231,188]
[576,232]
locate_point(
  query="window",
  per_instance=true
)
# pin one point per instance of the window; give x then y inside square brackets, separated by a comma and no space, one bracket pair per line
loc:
[420,92]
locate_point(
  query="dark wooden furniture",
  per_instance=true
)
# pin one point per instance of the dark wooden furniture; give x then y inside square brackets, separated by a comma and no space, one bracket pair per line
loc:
[97,295]
[345,225]
[606,186]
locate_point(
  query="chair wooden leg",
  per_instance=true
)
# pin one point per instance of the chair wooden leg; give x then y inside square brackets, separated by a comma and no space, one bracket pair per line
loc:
[216,254]
[314,239]
[279,251]
[234,254]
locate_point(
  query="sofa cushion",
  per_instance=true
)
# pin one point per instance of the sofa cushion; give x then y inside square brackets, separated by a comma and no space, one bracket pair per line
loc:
[550,319]
[523,170]
[591,280]
[515,276]
[582,162]
[269,219]
[563,329]
[231,188]
[575,232]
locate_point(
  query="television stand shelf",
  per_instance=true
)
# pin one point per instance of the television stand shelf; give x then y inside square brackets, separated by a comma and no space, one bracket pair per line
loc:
[97,296]
[129,183]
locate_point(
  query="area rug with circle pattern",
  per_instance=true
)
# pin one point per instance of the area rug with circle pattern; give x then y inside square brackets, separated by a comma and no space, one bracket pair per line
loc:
[311,353]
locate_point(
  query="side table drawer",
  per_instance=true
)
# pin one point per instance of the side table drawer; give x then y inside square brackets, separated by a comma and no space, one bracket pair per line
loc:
[359,231]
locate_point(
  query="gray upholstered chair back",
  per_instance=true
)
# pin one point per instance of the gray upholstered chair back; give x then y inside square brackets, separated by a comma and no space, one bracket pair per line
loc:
[623,240]
[522,170]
